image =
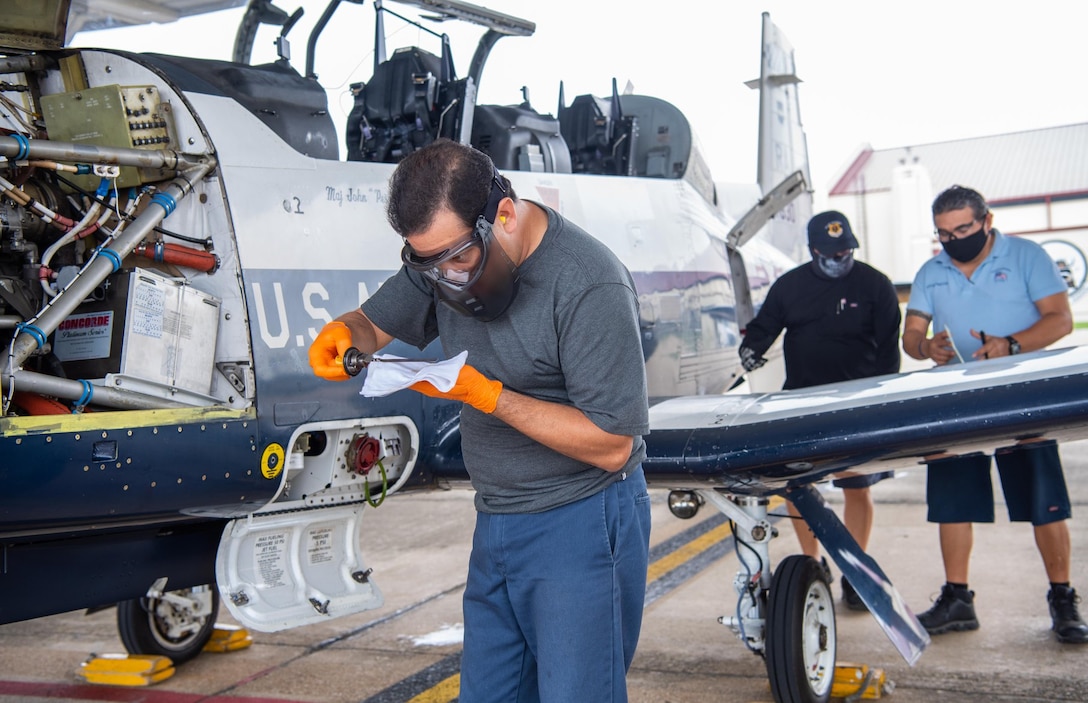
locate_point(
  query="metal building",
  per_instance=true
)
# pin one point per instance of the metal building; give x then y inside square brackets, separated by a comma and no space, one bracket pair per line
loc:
[1036,182]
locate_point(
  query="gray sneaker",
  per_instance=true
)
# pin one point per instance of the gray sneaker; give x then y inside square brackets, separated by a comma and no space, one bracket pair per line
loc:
[1068,627]
[953,611]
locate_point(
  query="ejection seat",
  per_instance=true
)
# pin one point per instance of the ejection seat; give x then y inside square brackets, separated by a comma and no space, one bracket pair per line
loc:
[600,137]
[634,135]
[397,111]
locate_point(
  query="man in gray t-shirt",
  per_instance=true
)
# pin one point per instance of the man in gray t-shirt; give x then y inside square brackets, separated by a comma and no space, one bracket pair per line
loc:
[555,407]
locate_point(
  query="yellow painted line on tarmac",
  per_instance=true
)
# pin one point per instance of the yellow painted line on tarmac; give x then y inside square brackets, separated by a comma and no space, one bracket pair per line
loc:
[689,551]
[448,690]
[442,692]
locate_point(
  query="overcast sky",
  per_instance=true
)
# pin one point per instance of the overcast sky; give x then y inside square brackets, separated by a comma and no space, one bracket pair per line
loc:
[874,73]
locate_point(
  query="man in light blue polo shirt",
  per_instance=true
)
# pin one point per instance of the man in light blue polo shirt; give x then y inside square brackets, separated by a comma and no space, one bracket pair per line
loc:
[988,295]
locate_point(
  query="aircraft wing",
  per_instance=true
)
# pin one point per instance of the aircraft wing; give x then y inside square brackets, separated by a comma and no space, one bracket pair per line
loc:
[761,444]
[783,442]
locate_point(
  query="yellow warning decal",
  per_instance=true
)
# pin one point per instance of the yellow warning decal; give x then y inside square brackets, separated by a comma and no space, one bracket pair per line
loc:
[272,461]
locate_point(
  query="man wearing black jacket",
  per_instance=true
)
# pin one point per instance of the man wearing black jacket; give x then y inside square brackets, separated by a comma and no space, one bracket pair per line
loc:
[841,318]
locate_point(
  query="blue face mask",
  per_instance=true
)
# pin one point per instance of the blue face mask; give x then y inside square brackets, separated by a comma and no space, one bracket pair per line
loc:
[833,266]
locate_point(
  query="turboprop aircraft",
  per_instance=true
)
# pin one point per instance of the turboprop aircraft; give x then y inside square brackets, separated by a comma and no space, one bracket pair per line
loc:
[175,231]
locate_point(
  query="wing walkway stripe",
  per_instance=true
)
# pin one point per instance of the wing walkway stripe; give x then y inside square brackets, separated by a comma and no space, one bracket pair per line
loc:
[672,562]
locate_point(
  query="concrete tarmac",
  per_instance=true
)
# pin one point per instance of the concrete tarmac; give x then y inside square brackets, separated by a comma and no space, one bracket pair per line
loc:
[408,650]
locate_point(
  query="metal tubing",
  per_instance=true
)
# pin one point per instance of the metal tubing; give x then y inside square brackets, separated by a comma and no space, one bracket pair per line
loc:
[86,153]
[106,396]
[26,62]
[97,270]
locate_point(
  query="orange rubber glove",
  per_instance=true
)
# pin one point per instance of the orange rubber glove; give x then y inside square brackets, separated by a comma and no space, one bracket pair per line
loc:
[327,351]
[472,387]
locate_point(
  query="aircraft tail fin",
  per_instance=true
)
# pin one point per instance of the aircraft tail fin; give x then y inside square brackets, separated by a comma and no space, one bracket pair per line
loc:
[783,148]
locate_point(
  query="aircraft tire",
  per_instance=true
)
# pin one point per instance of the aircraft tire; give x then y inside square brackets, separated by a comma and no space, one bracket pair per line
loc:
[800,637]
[145,625]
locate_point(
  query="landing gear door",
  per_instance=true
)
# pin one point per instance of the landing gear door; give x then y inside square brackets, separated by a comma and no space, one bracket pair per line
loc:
[283,570]
[746,228]
[742,290]
[767,207]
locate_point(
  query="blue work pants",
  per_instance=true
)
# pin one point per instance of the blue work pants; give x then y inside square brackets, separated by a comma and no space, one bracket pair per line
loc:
[553,602]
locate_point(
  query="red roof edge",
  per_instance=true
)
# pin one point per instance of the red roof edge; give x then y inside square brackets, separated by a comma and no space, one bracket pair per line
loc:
[842,186]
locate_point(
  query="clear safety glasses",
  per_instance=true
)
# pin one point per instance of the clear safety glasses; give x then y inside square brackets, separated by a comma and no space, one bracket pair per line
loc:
[457,265]
[461,265]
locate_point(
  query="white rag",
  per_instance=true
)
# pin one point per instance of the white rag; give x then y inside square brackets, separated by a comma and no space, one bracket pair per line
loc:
[385,378]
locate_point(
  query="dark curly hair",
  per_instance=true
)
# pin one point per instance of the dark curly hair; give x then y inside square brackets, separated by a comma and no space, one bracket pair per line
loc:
[442,175]
[959,197]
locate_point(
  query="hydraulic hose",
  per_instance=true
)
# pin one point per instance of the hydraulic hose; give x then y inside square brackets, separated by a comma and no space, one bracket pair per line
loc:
[179,256]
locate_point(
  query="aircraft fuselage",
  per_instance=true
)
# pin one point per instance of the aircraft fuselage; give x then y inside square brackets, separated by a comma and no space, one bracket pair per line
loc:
[299,236]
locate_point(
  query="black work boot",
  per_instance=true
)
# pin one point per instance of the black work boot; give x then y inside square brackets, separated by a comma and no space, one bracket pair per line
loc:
[954,610]
[826,568]
[850,597]
[1068,627]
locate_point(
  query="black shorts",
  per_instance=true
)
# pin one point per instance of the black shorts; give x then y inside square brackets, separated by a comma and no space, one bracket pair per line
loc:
[960,489]
[862,481]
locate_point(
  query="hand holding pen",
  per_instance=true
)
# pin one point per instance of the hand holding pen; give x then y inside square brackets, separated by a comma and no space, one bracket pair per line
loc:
[992,346]
[939,347]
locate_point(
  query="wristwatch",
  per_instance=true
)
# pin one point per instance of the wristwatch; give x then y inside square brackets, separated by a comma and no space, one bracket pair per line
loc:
[1014,346]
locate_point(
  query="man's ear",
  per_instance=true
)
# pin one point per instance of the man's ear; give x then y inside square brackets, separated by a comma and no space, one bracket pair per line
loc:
[506,215]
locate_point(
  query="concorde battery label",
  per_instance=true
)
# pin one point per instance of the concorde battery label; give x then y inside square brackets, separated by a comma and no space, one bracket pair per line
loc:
[84,336]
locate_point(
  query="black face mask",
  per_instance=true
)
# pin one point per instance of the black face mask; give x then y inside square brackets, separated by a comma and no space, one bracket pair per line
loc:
[967,248]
